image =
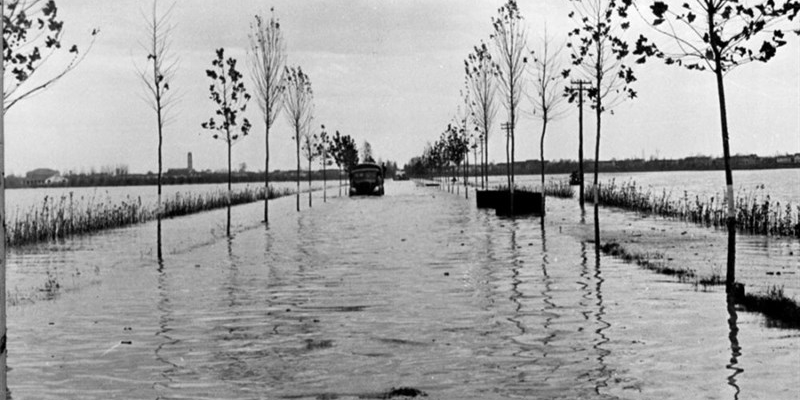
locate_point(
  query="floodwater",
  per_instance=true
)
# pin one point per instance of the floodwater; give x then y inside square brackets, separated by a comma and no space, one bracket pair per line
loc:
[781,185]
[357,296]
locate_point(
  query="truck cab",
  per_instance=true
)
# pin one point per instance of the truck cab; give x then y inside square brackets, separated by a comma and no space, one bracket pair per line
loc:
[366,180]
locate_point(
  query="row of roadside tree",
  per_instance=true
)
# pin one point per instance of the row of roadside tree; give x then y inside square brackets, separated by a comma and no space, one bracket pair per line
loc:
[600,65]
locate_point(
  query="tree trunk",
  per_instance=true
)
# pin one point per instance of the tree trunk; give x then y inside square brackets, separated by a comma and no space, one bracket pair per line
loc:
[324,180]
[266,174]
[581,198]
[159,206]
[512,163]
[484,158]
[475,167]
[595,191]
[297,142]
[3,352]
[309,182]
[160,160]
[541,155]
[508,159]
[159,255]
[730,278]
[466,177]
[228,225]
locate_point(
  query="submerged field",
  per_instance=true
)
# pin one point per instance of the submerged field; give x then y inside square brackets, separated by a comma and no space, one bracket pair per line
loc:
[417,290]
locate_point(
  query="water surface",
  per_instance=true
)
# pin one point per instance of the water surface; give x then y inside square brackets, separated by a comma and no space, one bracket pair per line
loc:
[359,295]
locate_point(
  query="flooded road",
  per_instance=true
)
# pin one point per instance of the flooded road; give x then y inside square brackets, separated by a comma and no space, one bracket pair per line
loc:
[355,297]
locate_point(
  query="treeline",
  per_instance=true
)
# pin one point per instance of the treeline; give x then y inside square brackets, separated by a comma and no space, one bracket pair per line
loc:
[417,166]
[14,182]
[102,179]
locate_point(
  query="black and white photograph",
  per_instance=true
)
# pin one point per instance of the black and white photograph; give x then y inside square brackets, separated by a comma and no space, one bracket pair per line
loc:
[400,199]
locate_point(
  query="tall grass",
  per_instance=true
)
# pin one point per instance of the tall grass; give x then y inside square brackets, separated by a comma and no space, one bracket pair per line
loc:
[652,261]
[190,203]
[67,216]
[755,213]
[559,188]
[553,188]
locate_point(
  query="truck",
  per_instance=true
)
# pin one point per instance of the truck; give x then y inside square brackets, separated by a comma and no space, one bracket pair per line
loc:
[366,179]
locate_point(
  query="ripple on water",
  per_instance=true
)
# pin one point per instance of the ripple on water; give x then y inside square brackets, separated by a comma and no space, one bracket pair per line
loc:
[358,296]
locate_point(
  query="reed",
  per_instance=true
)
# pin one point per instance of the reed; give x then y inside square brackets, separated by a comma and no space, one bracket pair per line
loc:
[651,261]
[67,216]
[560,189]
[552,188]
[756,213]
[190,203]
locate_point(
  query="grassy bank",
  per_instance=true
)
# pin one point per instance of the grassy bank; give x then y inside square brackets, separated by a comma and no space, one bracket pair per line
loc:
[552,188]
[68,216]
[774,304]
[755,213]
[652,261]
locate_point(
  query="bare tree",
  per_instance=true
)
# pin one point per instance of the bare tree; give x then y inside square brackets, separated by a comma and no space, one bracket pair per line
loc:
[32,34]
[267,64]
[157,77]
[323,151]
[228,92]
[482,75]
[547,98]
[718,36]
[309,150]
[599,54]
[299,105]
[464,119]
[510,41]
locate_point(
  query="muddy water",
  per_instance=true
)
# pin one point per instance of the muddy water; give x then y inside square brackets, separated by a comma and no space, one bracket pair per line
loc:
[357,296]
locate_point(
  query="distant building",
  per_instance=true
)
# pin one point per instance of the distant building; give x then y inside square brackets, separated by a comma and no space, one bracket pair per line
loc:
[40,176]
[182,171]
[55,180]
[748,160]
[698,161]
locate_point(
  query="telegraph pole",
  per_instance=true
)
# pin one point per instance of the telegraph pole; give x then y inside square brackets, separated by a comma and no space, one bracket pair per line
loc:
[580,89]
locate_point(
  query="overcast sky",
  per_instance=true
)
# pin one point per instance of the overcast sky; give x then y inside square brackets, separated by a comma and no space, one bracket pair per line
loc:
[387,71]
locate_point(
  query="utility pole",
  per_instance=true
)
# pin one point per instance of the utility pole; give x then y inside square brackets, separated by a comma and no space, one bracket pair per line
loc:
[580,89]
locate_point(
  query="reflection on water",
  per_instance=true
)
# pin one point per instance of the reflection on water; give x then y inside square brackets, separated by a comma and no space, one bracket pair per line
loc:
[603,373]
[736,349]
[358,295]
[547,297]
[159,249]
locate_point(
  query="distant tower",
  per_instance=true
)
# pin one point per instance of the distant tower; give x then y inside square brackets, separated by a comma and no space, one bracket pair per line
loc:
[189,161]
